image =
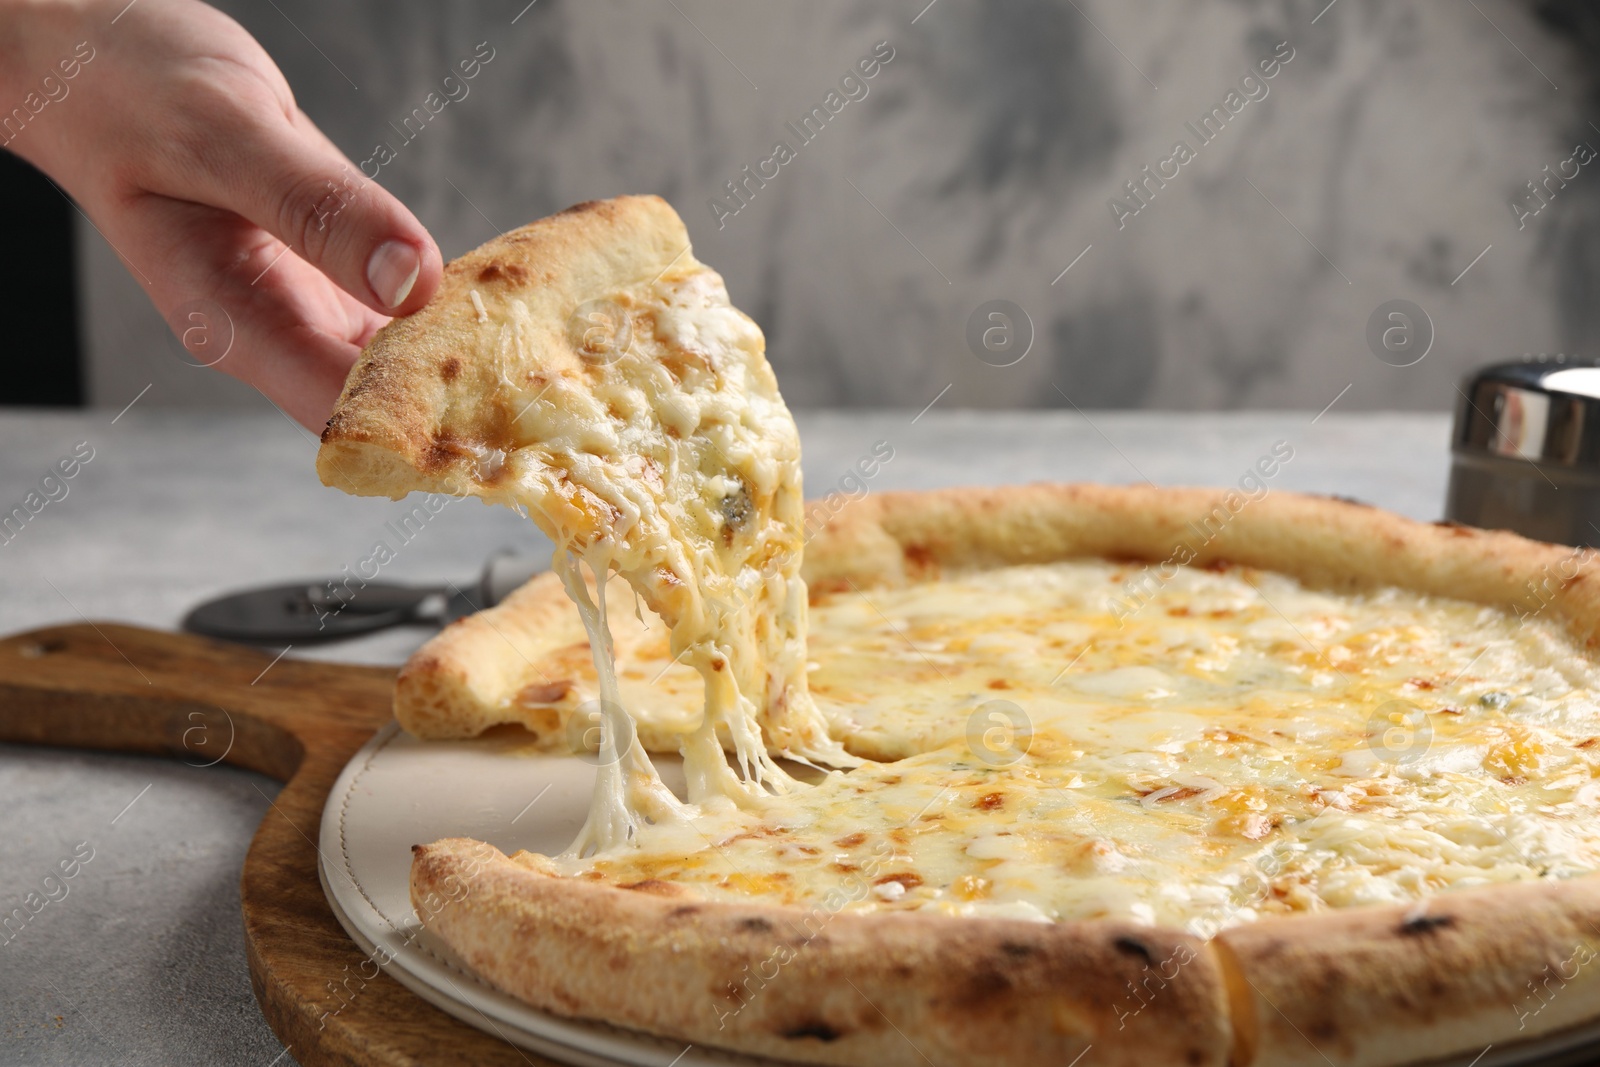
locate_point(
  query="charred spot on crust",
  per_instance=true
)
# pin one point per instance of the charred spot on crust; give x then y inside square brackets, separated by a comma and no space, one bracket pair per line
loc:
[1017,950]
[1132,946]
[450,369]
[1352,501]
[683,911]
[920,558]
[495,271]
[1413,925]
[365,378]
[755,925]
[815,1029]
[1456,528]
[1324,1030]
[653,885]
[986,982]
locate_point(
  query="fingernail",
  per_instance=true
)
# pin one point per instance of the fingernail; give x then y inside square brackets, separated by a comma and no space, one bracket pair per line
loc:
[392,271]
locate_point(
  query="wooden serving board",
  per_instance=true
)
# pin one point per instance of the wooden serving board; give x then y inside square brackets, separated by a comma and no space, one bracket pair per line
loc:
[125,689]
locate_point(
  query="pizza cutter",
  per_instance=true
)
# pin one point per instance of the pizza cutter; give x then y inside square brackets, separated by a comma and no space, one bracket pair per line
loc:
[315,611]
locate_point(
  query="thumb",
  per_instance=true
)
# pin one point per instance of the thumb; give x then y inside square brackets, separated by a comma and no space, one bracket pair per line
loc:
[286,177]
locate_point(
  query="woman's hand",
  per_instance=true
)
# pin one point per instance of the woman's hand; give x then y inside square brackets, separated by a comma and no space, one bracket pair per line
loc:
[181,141]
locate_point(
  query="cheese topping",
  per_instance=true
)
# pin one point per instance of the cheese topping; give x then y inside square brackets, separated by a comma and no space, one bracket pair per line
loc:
[1240,747]
[671,459]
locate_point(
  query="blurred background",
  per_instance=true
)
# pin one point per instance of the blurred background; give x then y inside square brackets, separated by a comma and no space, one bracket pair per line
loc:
[1427,151]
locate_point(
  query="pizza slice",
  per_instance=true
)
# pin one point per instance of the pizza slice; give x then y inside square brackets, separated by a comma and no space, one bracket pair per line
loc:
[587,368]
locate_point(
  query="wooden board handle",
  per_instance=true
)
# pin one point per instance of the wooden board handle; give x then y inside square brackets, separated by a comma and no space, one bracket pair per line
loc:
[107,686]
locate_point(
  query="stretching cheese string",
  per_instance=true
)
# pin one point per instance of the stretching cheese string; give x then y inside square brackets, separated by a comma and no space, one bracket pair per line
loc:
[626,782]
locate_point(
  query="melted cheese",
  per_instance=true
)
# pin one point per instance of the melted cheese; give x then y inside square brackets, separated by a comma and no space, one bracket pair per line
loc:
[673,461]
[1243,746]
[626,783]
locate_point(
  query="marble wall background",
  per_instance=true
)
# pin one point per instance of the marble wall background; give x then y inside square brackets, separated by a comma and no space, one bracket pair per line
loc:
[981,162]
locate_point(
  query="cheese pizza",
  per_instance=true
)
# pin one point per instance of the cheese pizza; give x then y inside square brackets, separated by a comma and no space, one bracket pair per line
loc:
[1246,746]
[1323,790]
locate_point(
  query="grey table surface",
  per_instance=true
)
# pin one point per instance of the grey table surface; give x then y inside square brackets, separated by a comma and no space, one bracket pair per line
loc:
[142,962]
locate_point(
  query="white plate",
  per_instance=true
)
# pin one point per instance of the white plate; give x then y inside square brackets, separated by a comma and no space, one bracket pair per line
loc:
[398,791]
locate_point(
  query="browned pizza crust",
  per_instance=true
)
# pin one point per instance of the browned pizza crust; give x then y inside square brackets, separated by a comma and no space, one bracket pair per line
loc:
[470,675]
[480,671]
[1370,987]
[895,538]
[901,990]
[526,661]
[424,405]
[1365,986]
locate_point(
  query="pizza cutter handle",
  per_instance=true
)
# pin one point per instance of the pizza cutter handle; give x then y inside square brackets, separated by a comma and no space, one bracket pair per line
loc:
[304,613]
[123,688]
[315,612]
